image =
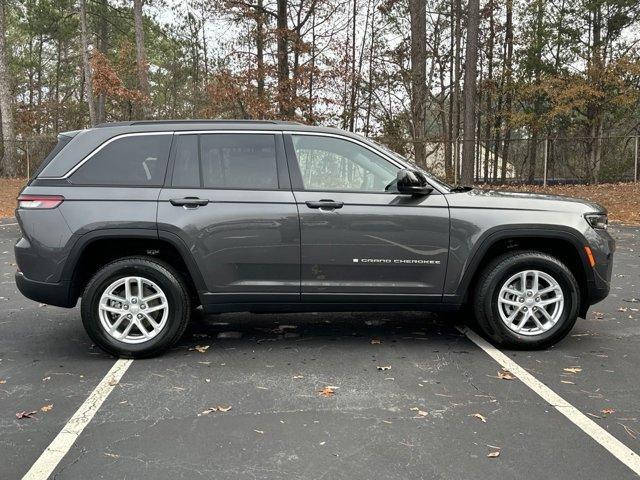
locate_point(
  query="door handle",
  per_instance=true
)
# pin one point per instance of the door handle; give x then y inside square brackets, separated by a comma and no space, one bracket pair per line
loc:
[325,203]
[189,202]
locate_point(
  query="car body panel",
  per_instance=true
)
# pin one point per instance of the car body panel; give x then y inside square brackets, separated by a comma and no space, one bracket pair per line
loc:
[244,242]
[376,248]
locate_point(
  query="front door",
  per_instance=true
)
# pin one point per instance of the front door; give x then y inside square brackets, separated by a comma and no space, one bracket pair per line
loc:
[361,243]
[229,199]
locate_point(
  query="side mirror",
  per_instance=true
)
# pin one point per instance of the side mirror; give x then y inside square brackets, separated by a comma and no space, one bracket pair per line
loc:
[412,182]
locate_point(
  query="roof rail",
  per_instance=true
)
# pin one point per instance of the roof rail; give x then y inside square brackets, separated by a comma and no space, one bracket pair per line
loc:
[215,121]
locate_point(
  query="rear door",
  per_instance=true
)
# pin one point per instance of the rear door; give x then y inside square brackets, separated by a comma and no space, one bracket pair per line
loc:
[228,197]
[361,243]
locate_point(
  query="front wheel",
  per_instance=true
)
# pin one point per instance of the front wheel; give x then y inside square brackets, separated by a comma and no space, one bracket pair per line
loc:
[135,307]
[526,299]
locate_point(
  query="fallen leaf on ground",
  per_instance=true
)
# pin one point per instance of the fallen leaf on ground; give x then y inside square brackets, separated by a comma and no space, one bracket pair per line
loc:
[630,431]
[505,375]
[46,408]
[219,408]
[385,367]
[113,382]
[567,381]
[607,411]
[25,414]
[420,413]
[261,432]
[493,454]
[46,379]
[375,341]
[202,348]
[2,382]
[479,416]
[296,377]
[572,369]
[326,392]
[112,455]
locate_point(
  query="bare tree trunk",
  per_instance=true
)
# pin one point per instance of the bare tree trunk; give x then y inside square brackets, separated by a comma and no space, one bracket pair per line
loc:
[312,71]
[103,34]
[455,131]
[141,57]
[509,87]
[594,110]
[88,77]
[260,48]
[489,120]
[470,73]
[352,96]
[367,122]
[418,14]
[9,165]
[285,102]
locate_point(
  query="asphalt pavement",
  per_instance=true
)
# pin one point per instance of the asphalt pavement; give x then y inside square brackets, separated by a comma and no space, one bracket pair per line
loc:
[437,412]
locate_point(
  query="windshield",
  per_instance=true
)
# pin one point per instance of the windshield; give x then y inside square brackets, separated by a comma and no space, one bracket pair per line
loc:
[412,164]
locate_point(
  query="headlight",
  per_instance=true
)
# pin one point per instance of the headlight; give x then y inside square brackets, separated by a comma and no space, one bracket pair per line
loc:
[597,220]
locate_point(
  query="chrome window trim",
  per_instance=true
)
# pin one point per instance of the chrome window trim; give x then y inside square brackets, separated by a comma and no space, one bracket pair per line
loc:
[101,146]
[205,132]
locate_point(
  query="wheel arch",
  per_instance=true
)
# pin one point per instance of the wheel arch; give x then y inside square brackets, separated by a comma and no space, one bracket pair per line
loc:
[94,249]
[564,243]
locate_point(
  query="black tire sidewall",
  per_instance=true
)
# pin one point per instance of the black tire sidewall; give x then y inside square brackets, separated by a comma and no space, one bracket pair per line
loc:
[570,292]
[165,279]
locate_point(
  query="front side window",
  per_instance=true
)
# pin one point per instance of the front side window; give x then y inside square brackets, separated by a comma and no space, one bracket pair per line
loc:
[138,160]
[329,163]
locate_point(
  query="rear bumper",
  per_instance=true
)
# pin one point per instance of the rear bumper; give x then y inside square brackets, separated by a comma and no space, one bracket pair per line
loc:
[57,294]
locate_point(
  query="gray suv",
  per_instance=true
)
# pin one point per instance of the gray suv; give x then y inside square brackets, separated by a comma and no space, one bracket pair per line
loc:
[147,221]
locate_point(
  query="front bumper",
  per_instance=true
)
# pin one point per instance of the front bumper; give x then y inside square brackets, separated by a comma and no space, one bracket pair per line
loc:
[57,294]
[603,247]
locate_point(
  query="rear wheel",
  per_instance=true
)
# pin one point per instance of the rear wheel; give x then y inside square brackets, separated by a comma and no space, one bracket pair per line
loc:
[135,307]
[526,299]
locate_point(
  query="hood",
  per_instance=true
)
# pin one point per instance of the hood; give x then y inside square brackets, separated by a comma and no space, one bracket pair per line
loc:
[531,201]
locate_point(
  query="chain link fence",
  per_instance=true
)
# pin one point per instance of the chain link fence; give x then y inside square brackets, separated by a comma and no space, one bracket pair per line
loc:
[552,160]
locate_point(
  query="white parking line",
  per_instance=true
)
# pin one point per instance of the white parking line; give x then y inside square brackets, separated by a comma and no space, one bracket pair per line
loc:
[60,445]
[588,426]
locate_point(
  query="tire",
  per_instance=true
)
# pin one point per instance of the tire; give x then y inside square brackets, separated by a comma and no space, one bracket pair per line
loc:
[170,312]
[493,306]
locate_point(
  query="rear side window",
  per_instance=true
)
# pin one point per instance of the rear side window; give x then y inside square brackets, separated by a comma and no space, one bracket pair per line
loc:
[139,160]
[186,170]
[63,140]
[230,161]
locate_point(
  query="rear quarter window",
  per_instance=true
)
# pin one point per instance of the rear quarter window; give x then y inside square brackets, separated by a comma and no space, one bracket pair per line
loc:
[137,160]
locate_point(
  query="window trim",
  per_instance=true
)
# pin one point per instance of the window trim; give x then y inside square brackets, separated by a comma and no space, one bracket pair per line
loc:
[282,167]
[104,144]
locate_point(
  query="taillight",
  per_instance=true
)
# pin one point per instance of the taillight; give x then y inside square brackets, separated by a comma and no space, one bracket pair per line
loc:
[39,201]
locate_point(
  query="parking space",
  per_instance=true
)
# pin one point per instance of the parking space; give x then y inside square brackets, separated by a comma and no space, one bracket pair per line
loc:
[437,412]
